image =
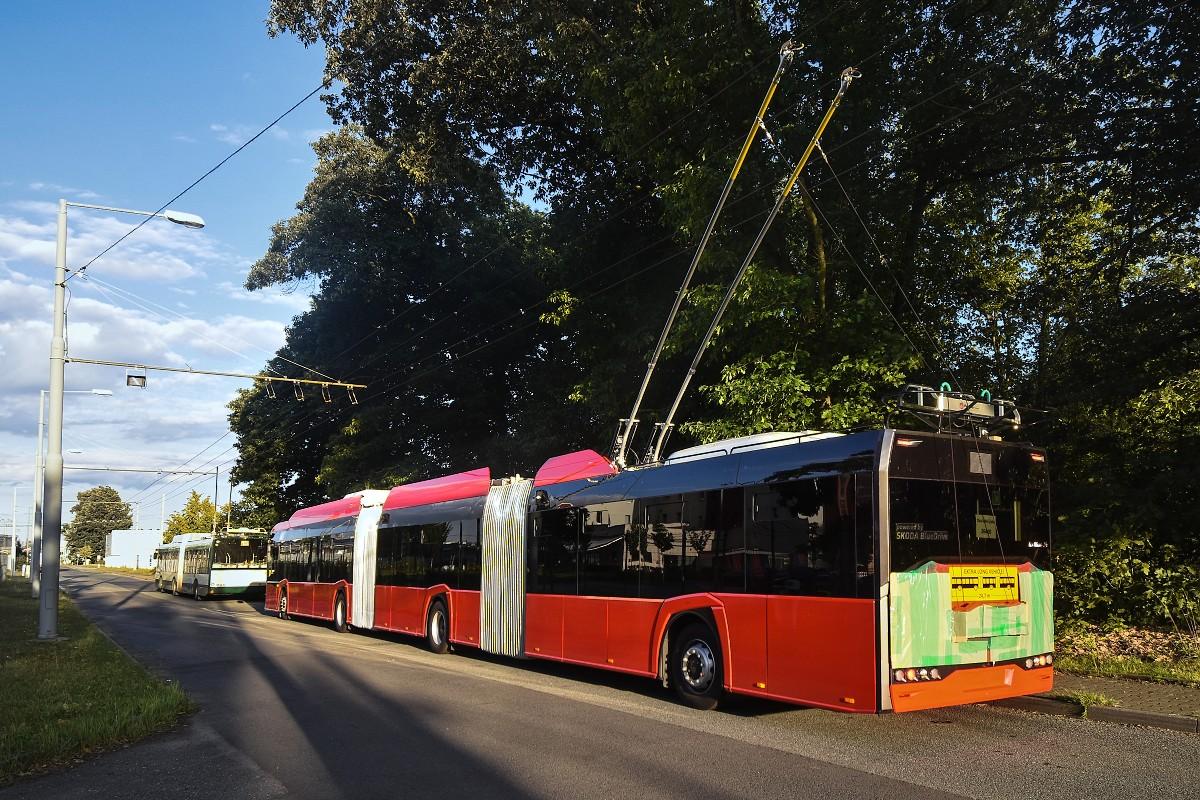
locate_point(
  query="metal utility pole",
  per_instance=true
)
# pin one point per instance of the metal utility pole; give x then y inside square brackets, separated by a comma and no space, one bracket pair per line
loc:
[52,501]
[216,499]
[52,492]
[628,426]
[662,430]
[12,555]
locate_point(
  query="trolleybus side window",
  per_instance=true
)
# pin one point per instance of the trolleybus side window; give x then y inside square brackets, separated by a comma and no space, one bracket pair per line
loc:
[551,558]
[801,538]
[709,541]
[608,552]
[468,555]
[662,571]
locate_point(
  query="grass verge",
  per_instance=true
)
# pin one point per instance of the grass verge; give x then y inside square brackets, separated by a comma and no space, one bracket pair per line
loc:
[1084,698]
[143,571]
[64,699]
[1182,672]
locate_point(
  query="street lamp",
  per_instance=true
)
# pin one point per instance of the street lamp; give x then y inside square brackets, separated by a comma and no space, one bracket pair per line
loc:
[35,535]
[52,489]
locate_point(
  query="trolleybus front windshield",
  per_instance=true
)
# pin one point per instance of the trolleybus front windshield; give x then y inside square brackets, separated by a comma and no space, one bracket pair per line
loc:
[237,551]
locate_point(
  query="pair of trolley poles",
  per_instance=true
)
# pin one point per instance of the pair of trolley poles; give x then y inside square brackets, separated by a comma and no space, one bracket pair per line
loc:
[662,430]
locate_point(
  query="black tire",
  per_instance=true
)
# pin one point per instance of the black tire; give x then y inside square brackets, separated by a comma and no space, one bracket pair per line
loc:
[195,590]
[339,613]
[696,666]
[283,604]
[158,584]
[437,628]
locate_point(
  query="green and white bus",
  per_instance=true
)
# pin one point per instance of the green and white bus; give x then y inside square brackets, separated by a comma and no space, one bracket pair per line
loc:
[203,565]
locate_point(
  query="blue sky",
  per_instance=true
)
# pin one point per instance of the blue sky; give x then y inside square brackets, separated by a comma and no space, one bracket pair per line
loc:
[125,104]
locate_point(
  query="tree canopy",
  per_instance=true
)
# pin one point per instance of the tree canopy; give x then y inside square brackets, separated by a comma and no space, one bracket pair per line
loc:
[1007,200]
[97,513]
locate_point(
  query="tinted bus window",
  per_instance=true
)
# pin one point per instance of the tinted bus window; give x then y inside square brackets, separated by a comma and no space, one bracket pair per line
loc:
[951,522]
[662,571]
[469,565]
[551,557]
[608,553]
[801,538]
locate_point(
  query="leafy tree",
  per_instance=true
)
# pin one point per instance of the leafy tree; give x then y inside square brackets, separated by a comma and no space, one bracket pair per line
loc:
[1007,199]
[196,516]
[97,513]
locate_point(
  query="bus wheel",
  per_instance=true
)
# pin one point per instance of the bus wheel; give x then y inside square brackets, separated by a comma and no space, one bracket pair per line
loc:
[158,584]
[195,590]
[437,628]
[339,613]
[175,588]
[696,666]
[283,614]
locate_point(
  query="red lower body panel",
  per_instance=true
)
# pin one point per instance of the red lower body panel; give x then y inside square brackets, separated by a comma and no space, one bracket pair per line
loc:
[403,608]
[972,685]
[464,617]
[812,650]
[307,599]
[822,651]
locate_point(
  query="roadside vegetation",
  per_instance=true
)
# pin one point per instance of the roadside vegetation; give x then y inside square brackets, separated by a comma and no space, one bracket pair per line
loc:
[1121,651]
[65,699]
[143,571]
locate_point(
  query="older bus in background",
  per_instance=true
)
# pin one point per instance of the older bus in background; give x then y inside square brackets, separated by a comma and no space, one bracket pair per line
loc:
[233,562]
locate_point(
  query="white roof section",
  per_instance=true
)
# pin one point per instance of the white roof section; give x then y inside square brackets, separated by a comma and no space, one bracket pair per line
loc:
[757,441]
[370,497]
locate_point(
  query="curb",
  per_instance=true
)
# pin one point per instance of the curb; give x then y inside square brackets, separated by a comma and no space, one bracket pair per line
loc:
[1120,716]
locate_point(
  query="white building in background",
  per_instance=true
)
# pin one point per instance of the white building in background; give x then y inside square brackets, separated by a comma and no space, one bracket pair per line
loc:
[131,548]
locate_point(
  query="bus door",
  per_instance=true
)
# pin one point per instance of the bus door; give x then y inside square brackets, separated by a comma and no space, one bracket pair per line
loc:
[366,537]
[502,580]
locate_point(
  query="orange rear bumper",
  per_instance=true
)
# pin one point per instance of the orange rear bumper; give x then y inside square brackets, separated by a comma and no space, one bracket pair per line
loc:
[972,685]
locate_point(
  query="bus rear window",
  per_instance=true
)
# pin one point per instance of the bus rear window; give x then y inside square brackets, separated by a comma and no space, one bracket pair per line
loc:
[963,522]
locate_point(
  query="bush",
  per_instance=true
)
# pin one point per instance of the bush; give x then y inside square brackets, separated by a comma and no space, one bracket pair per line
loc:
[1128,580]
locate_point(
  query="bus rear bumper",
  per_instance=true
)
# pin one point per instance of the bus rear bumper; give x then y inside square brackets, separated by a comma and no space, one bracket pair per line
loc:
[972,685]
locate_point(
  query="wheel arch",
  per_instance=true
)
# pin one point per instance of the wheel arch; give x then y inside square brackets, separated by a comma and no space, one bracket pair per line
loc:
[677,613]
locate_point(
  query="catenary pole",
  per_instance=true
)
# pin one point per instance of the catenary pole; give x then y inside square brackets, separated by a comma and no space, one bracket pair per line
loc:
[52,490]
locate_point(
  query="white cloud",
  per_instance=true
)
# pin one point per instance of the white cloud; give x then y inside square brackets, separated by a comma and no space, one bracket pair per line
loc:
[58,188]
[234,135]
[183,137]
[158,251]
[297,302]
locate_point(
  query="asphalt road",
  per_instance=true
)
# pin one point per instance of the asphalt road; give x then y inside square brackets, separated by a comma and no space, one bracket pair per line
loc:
[292,709]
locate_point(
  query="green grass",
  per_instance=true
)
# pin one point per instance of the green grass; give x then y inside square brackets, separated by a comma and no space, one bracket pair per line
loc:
[1084,698]
[64,699]
[1186,672]
[146,571]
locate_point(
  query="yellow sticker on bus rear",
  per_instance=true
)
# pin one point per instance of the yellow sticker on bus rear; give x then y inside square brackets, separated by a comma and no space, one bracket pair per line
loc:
[983,584]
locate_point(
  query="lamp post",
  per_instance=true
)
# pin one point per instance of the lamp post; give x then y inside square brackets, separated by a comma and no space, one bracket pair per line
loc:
[52,488]
[35,533]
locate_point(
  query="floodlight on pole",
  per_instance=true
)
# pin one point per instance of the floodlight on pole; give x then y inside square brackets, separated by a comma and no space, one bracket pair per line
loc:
[52,491]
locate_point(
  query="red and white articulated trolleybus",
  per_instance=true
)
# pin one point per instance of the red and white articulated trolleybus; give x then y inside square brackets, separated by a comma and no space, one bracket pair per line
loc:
[872,571]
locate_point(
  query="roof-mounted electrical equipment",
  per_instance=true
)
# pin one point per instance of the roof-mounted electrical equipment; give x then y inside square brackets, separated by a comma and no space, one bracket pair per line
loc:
[947,411]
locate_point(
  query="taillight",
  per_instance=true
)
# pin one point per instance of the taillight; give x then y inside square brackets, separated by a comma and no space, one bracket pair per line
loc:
[907,442]
[1038,457]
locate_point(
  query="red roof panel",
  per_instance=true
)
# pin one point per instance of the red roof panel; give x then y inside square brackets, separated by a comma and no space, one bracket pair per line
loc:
[573,466]
[462,486]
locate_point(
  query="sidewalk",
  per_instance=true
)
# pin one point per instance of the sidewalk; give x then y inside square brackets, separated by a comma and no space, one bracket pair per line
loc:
[1160,705]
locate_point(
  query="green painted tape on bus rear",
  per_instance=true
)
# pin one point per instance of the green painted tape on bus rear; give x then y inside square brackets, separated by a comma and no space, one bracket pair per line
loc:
[926,631]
